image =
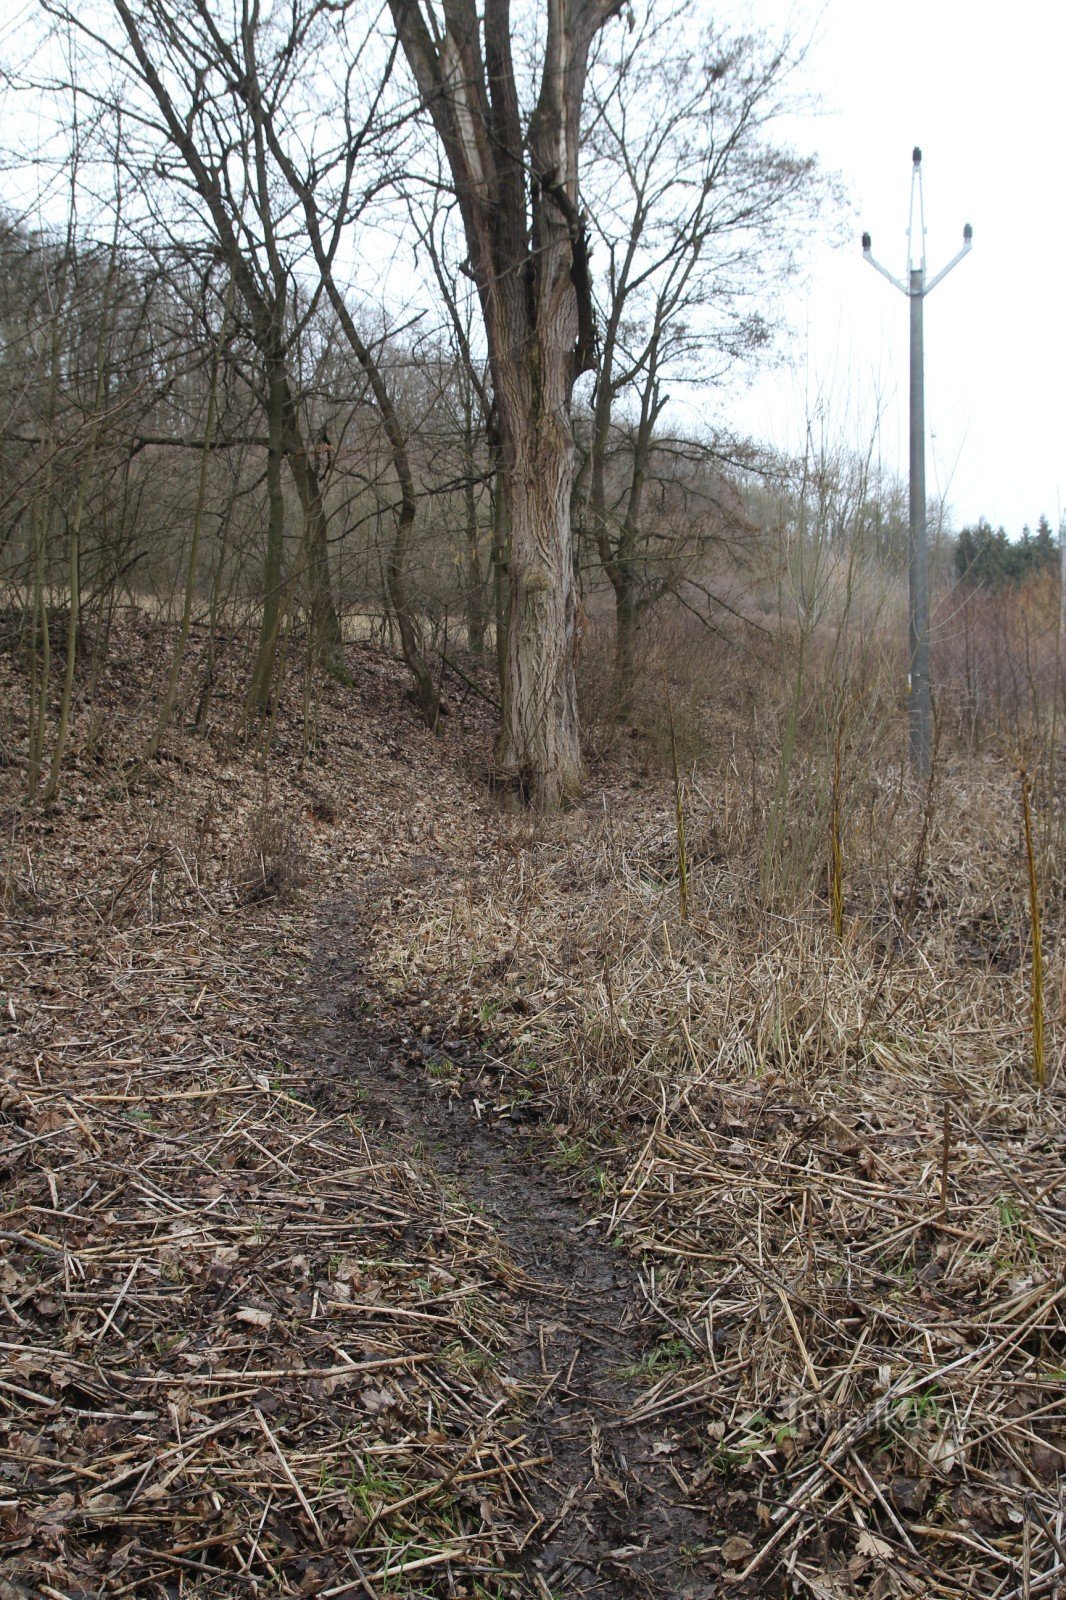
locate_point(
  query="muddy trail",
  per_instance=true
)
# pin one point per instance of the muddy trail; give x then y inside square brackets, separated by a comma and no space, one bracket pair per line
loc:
[613,1513]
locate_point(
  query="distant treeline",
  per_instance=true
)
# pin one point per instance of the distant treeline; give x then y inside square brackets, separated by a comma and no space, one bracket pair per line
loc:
[984,555]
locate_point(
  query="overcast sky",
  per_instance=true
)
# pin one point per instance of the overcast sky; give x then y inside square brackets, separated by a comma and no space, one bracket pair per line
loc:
[979,88]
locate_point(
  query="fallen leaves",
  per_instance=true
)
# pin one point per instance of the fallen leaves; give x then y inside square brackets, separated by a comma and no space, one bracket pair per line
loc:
[869,1286]
[737,1551]
[197,1374]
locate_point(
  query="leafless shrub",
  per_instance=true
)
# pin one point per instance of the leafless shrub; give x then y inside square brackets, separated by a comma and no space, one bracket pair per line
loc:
[267,862]
[323,808]
[23,894]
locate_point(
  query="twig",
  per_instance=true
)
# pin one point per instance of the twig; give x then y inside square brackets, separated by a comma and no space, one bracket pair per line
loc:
[259,1417]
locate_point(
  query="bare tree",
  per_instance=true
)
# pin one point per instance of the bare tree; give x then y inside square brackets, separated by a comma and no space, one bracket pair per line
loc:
[474,423]
[202,116]
[515,176]
[695,209]
[324,189]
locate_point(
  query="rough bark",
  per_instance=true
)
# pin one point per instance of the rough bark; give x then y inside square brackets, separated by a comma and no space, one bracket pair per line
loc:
[528,255]
[322,613]
[475,582]
[501,563]
[539,745]
[410,642]
[270,622]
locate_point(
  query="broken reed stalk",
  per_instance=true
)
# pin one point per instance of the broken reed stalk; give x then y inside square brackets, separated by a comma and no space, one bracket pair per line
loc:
[945,1160]
[836,846]
[679,814]
[1037,1013]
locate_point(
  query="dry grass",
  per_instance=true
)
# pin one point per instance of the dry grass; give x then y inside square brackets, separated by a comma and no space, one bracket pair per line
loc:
[848,1201]
[243,1347]
[826,1152]
[267,863]
[218,1364]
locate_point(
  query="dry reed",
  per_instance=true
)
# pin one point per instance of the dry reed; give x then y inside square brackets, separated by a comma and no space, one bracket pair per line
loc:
[1036,940]
[847,1202]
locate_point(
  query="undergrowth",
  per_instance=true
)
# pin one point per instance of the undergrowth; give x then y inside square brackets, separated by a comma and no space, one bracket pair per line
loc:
[814,1123]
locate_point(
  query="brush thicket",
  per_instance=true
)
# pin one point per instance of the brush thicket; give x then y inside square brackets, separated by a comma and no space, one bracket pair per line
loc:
[1036,1010]
[826,1150]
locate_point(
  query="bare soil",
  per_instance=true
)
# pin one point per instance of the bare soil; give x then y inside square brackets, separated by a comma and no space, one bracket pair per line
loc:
[613,1515]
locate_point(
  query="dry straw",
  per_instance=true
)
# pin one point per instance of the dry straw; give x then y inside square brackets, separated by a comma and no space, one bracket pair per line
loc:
[847,1206]
[679,816]
[836,840]
[1036,940]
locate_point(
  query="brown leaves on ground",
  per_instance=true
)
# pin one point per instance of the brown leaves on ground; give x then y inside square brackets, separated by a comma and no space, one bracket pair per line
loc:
[222,1360]
[230,1350]
[848,1202]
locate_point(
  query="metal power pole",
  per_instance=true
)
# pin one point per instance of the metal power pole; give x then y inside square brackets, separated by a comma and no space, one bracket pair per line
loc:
[916,288]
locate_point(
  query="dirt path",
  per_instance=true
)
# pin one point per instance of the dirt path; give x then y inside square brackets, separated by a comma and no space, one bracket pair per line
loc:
[612,1508]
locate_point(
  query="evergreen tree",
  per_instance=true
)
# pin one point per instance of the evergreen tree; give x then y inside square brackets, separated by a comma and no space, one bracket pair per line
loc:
[987,558]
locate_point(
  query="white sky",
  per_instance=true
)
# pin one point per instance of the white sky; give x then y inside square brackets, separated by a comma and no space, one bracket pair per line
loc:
[980,90]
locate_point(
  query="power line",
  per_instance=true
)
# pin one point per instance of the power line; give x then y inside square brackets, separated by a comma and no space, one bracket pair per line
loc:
[916,287]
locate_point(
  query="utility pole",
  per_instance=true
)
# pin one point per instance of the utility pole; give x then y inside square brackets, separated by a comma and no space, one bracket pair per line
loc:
[916,288]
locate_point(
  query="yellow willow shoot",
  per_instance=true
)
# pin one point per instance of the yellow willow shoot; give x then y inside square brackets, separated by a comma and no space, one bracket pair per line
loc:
[1039,1068]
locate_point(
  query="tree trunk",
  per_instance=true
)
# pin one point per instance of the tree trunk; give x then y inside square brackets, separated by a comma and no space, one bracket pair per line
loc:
[623,570]
[501,579]
[533,374]
[85,477]
[475,583]
[517,190]
[625,646]
[475,593]
[410,643]
[539,745]
[618,549]
[169,694]
[259,689]
[265,302]
[396,571]
[40,684]
[322,613]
